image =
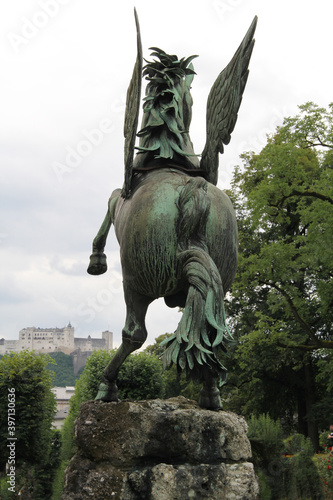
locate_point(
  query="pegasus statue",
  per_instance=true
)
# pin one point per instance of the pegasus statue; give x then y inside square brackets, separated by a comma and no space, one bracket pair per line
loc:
[176,230]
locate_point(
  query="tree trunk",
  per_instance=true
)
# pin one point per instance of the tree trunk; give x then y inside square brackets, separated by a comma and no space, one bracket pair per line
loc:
[310,399]
[301,413]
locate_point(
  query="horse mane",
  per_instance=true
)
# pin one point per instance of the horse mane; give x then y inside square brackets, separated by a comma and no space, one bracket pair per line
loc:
[167,112]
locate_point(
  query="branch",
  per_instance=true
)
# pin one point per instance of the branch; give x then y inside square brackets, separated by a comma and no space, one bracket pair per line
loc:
[304,325]
[314,144]
[313,194]
[324,344]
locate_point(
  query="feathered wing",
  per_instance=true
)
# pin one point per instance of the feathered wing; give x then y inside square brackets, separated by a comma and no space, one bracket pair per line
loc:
[132,113]
[223,103]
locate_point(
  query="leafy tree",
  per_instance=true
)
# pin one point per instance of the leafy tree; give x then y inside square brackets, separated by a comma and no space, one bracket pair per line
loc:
[24,374]
[26,399]
[282,297]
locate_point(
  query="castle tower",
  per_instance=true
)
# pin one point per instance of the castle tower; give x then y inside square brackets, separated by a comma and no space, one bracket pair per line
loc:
[108,337]
[69,336]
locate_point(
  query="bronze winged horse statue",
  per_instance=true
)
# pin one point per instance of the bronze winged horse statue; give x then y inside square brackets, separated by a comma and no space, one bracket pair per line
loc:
[176,230]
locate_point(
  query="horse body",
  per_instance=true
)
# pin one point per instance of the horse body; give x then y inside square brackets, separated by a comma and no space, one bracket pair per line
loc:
[174,232]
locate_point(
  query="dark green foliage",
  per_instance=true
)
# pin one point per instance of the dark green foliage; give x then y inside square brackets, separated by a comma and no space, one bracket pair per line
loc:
[301,478]
[26,373]
[282,477]
[264,488]
[281,300]
[46,473]
[266,438]
[63,369]
[66,453]
[295,444]
[37,446]
[141,377]
[324,465]
[58,483]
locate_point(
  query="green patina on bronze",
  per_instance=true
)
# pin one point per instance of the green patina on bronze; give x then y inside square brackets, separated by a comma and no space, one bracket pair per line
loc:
[176,230]
[167,111]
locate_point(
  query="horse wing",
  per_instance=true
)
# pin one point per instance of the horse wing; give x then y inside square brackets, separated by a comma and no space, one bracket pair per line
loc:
[223,103]
[132,113]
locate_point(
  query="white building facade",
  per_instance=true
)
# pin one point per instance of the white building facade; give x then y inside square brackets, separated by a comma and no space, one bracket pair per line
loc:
[47,340]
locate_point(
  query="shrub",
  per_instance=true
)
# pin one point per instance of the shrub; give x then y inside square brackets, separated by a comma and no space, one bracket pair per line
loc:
[266,438]
[301,475]
[290,478]
[294,444]
[324,465]
[140,377]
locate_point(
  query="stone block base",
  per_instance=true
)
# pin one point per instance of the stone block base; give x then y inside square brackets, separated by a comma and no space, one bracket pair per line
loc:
[159,450]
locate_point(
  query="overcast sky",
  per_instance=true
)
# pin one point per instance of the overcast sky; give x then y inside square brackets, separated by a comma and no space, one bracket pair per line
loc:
[65,68]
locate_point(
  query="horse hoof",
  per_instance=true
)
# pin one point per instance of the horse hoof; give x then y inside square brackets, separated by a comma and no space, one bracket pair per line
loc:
[97,264]
[107,393]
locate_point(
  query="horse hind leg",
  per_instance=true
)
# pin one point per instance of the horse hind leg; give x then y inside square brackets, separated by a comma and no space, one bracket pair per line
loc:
[210,397]
[134,335]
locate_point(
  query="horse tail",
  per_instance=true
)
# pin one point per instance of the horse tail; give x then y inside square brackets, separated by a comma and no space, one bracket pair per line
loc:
[202,330]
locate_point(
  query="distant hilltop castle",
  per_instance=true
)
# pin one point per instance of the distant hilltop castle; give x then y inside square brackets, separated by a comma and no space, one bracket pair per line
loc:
[47,340]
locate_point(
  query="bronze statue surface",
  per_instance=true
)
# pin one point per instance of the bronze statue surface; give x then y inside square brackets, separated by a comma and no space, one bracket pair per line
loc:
[176,230]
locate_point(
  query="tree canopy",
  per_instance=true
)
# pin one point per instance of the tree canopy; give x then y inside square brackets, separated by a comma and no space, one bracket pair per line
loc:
[281,301]
[25,374]
[27,408]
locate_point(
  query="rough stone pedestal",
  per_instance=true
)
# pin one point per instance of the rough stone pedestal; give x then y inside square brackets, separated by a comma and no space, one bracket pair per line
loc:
[159,450]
